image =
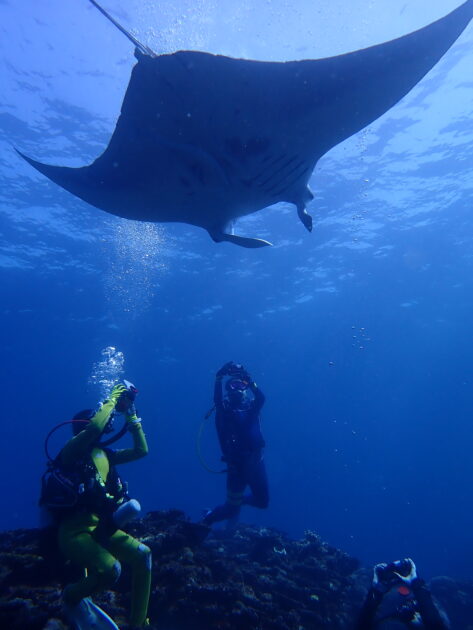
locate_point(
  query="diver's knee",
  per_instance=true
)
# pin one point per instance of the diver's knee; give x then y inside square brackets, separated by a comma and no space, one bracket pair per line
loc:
[108,575]
[144,556]
[262,502]
[112,574]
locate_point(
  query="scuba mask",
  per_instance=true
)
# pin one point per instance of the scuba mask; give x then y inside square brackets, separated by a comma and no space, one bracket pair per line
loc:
[237,385]
[237,393]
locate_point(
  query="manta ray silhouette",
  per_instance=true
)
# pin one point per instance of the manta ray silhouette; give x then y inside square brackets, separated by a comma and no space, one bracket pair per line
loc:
[204,139]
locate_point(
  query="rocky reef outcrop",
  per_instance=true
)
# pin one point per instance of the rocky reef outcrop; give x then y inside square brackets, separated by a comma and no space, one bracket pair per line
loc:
[255,579]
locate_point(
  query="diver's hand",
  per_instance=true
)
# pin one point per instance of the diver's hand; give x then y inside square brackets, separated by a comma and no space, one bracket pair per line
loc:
[380,583]
[407,563]
[245,375]
[131,411]
[116,392]
[131,416]
[225,369]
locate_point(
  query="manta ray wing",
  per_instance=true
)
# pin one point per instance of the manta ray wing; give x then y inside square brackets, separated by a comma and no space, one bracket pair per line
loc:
[204,139]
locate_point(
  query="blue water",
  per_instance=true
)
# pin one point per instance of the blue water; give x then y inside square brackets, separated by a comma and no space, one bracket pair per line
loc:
[359,334]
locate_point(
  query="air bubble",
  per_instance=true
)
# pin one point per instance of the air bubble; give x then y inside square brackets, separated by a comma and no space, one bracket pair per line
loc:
[108,370]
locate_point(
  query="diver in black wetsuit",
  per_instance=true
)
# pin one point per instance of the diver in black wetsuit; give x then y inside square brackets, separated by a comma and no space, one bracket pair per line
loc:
[237,420]
[399,599]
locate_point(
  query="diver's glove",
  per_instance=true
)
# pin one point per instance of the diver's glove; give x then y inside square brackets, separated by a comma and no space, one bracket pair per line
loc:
[407,571]
[118,390]
[380,574]
[132,418]
[238,371]
[225,370]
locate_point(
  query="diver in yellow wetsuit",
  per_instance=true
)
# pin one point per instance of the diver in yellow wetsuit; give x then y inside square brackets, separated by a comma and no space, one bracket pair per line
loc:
[90,536]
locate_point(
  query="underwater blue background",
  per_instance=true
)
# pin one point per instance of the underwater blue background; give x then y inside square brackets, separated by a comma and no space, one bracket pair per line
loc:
[359,334]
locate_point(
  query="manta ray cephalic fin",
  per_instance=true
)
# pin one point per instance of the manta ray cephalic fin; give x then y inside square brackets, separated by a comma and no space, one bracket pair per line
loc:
[243,241]
[141,47]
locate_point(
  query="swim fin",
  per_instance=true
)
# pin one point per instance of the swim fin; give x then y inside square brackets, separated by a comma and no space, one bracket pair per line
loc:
[88,616]
[104,622]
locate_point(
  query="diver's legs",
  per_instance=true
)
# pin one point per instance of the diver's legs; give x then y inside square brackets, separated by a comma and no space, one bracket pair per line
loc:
[230,510]
[103,569]
[128,549]
[222,512]
[258,482]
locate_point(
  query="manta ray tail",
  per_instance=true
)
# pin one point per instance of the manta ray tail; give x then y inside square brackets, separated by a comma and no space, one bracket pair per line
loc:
[243,241]
[141,47]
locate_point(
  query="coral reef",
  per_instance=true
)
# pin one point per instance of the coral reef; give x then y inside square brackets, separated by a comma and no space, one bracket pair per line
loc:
[253,579]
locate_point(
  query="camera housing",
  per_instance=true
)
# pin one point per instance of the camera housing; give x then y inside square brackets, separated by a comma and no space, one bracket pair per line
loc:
[387,573]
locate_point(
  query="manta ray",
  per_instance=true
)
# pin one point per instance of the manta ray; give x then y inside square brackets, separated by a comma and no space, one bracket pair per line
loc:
[204,139]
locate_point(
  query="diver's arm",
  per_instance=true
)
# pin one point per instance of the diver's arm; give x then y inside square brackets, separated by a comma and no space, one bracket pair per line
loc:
[81,444]
[259,397]
[429,612]
[139,449]
[225,370]
[221,425]
[366,617]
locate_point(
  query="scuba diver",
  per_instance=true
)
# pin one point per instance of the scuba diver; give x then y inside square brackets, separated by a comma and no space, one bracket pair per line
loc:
[398,598]
[237,420]
[89,523]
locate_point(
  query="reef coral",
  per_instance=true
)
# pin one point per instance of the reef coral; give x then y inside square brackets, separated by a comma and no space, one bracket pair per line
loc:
[254,579]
